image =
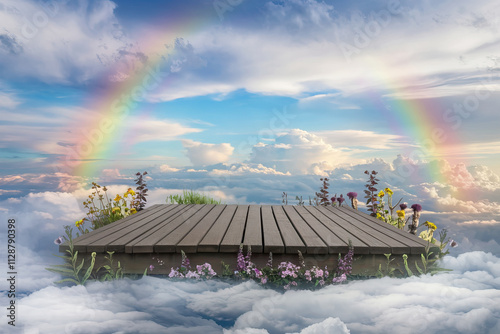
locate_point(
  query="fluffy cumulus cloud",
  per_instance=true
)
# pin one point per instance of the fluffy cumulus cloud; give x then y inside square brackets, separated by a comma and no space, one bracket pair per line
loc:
[466,300]
[201,154]
[298,151]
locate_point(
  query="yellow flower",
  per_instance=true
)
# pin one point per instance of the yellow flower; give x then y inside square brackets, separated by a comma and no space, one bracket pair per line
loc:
[131,192]
[117,198]
[430,225]
[401,214]
[133,210]
[115,210]
[381,193]
[79,223]
[389,191]
[379,215]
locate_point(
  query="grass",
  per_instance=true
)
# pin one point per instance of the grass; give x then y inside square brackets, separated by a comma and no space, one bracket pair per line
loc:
[191,197]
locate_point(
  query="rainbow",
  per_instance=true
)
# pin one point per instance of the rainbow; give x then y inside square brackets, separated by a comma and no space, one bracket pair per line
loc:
[103,136]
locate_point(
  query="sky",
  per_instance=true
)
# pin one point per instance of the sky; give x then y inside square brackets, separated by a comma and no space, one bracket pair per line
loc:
[244,100]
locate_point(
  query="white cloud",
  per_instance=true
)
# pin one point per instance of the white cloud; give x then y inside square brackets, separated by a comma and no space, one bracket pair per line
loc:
[352,138]
[8,100]
[465,300]
[480,222]
[61,42]
[168,169]
[202,154]
[298,151]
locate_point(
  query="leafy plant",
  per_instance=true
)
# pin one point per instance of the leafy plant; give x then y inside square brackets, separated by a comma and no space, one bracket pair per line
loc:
[284,198]
[408,270]
[141,191]
[388,270]
[102,211]
[322,195]
[71,269]
[191,197]
[370,192]
[111,273]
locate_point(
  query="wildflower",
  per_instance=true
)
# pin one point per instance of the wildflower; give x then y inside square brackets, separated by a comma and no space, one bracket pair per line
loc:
[341,199]
[59,241]
[263,280]
[118,198]
[381,194]
[339,279]
[333,199]
[151,267]
[133,210]
[416,207]
[389,191]
[352,195]
[401,214]
[453,243]
[79,223]
[403,206]
[379,215]
[430,225]
[240,265]
[131,192]
[115,210]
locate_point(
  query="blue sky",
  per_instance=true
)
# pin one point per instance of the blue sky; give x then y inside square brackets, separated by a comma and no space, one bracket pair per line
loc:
[255,98]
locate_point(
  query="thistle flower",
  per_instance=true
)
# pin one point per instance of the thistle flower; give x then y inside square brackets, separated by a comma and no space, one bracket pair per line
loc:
[352,195]
[341,199]
[60,240]
[416,207]
[333,199]
[453,243]
[403,206]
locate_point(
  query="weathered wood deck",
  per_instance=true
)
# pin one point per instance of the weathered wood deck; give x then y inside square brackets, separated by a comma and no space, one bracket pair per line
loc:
[214,232]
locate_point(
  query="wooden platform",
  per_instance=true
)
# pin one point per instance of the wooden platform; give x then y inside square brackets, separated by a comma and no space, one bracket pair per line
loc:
[211,233]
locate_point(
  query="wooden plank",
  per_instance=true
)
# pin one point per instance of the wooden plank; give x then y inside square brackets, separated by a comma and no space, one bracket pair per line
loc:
[291,238]
[366,217]
[396,246]
[189,243]
[98,242]
[212,239]
[149,226]
[145,244]
[376,245]
[272,236]
[334,243]
[174,234]
[314,244]
[343,232]
[414,243]
[253,230]
[81,243]
[234,234]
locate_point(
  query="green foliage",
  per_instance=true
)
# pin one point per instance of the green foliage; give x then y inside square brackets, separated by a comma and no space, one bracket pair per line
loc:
[226,270]
[191,197]
[71,270]
[429,264]
[110,271]
[388,270]
[408,270]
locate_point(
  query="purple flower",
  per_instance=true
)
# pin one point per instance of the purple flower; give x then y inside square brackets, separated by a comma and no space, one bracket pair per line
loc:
[59,241]
[352,195]
[416,207]
[241,264]
[453,243]
[403,206]
[151,267]
[333,199]
[341,199]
